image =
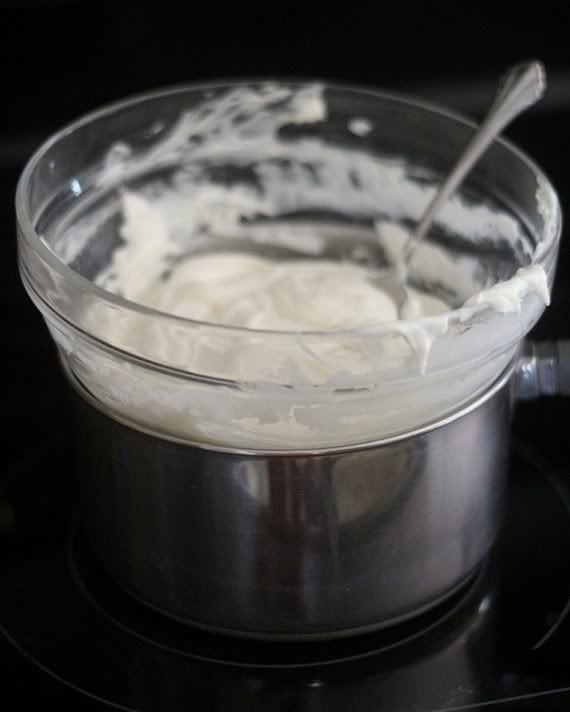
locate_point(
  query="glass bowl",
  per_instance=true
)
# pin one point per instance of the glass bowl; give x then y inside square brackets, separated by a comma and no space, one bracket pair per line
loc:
[287,170]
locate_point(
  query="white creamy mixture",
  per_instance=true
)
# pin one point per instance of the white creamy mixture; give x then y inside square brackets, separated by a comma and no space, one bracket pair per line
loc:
[181,252]
[258,293]
[249,291]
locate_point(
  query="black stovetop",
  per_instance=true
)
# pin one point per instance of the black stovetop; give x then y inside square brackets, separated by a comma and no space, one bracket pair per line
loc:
[69,637]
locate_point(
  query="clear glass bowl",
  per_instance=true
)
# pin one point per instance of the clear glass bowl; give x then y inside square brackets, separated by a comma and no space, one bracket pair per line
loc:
[315,170]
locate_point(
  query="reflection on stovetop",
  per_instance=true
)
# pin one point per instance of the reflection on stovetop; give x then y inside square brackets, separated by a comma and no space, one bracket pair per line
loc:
[71,630]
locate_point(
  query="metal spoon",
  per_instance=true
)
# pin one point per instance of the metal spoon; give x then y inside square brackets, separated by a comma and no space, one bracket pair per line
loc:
[522,86]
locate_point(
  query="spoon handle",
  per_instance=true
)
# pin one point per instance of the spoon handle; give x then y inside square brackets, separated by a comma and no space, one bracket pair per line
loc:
[522,86]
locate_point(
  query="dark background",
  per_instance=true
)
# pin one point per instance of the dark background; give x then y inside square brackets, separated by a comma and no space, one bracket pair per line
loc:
[60,59]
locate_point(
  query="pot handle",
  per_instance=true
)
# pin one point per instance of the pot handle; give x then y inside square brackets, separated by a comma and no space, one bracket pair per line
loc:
[543,370]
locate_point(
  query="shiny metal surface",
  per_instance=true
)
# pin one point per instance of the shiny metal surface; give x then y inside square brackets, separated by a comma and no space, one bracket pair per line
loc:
[543,370]
[303,545]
